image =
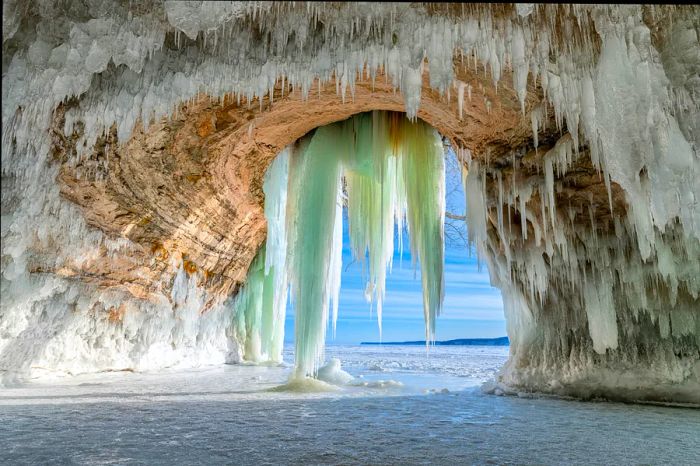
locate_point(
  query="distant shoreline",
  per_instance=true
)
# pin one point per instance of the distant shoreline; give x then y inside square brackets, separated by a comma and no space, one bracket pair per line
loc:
[501,341]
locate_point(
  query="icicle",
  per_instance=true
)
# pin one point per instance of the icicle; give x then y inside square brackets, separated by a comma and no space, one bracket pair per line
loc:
[249,310]
[523,197]
[275,189]
[336,265]
[370,177]
[424,178]
[460,97]
[474,186]
[260,305]
[312,241]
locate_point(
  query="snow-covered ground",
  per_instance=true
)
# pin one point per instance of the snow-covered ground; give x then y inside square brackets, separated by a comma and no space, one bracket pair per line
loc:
[428,410]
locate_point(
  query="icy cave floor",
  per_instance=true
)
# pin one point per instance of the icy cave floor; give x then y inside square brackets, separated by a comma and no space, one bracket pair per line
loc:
[225,414]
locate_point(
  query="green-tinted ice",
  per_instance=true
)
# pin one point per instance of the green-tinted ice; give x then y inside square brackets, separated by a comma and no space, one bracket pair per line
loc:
[370,177]
[392,168]
[312,235]
[424,181]
[261,304]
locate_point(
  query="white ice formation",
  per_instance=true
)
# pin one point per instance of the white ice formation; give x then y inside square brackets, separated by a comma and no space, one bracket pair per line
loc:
[591,310]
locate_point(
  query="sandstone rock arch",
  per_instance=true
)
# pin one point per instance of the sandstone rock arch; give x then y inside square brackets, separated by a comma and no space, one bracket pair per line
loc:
[208,162]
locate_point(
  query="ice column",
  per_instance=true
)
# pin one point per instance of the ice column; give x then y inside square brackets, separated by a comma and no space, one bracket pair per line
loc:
[312,214]
[370,176]
[261,304]
[249,310]
[276,285]
[424,180]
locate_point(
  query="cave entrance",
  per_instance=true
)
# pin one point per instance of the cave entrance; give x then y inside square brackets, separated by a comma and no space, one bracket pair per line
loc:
[388,173]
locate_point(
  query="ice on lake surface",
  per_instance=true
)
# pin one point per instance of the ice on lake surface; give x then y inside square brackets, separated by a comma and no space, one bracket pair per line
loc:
[403,407]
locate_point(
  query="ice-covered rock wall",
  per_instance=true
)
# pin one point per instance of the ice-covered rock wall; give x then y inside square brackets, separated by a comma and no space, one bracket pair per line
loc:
[602,293]
[610,92]
[53,326]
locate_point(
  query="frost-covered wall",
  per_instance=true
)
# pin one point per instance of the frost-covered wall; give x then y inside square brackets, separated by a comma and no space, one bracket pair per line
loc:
[603,298]
[619,82]
[586,313]
[57,327]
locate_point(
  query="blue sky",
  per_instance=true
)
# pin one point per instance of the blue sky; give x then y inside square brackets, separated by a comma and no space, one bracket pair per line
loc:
[472,307]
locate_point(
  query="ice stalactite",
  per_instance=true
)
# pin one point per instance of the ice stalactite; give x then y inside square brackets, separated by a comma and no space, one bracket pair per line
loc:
[317,174]
[176,50]
[423,170]
[260,306]
[374,201]
[392,168]
[397,175]
[249,309]
[276,286]
[336,265]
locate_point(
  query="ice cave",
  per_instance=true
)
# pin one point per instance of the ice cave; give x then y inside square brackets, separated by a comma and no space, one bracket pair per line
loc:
[172,174]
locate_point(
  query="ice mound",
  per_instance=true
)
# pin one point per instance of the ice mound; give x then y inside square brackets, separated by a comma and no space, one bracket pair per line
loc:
[436,391]
[333,374]
[376,367]
[380,384]
[305,385]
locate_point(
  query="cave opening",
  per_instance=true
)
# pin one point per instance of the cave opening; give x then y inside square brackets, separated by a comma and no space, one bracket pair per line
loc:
[382,174]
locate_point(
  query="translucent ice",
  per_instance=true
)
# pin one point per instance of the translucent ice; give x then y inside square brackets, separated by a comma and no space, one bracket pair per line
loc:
[392,168]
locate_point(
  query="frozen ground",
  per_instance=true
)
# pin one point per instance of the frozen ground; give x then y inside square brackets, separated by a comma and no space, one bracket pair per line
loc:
[225,414]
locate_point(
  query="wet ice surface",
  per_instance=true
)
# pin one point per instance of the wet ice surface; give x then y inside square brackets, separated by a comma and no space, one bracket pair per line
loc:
[225,415]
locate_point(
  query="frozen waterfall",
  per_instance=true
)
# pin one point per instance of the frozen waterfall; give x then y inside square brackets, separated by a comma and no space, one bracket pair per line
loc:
[394,175]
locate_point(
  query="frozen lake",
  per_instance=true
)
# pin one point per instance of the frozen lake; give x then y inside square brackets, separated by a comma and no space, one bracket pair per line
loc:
[431,412]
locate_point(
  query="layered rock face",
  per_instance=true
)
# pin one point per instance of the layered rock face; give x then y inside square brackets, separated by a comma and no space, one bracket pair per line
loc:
[136,139]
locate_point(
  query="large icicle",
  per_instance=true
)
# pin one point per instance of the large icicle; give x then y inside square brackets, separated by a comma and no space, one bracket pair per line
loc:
[336,266]
[261,304]
[275,301]
[370,175]
[424,181]
[312,220]
[249,310]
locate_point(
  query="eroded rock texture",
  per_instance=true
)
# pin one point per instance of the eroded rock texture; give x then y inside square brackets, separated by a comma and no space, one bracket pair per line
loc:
[192,186]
